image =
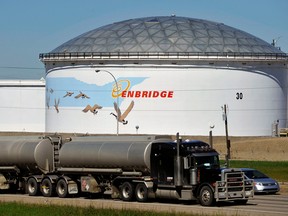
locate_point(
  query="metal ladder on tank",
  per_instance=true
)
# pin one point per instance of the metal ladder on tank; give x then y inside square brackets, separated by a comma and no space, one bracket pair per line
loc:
[57,141]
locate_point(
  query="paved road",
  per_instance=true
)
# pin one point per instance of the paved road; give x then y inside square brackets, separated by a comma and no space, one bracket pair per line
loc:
[264,205]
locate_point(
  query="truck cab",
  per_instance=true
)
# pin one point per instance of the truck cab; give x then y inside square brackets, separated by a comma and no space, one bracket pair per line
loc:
[195,155]
[195,174]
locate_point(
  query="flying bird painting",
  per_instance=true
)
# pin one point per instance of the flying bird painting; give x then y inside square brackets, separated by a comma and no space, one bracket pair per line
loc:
[81,95]
[68,94]
[93,109]
[48,102]
[56,104]
[121,117]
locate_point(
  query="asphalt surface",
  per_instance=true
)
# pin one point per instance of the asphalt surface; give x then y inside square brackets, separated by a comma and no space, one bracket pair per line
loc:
[260,205]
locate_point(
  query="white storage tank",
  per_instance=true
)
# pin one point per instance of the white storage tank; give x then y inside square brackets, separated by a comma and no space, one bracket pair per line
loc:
[162,75]
[22,105]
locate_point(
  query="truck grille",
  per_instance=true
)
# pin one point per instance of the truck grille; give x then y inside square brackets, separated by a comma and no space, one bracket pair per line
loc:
[233,186]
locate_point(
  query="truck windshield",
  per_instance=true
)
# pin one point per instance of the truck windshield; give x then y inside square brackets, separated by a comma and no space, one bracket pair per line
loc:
[207,161]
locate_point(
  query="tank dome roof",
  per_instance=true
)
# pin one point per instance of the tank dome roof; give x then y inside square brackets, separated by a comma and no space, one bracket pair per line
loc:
[166,34]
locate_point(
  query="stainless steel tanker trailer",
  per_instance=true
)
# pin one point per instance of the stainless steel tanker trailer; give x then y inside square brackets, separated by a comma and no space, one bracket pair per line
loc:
[127,167]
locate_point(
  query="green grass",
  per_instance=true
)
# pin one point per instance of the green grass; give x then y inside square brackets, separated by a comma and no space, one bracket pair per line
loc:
[14,209]
[276,170]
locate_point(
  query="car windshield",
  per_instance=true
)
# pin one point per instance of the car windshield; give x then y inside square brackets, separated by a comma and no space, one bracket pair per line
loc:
[254,174]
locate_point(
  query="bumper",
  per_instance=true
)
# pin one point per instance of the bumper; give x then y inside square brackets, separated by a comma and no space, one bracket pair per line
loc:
[236,195]
[266,189]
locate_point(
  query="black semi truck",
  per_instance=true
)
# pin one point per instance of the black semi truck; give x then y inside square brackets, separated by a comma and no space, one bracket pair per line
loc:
[127,167]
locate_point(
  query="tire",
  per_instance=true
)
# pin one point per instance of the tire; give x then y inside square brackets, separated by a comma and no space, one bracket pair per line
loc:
[127,191]
[62,188]
[32,187]
[141,192]
[47,188]
[206,196]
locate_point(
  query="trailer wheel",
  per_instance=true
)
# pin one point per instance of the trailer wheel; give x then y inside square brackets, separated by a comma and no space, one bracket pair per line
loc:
[32,187]
[62,188]
[47,188]
[141,192]
[206,196]
[127,191]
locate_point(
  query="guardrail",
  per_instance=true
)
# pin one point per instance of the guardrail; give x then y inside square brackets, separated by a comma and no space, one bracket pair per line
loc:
[162,56]
[283,132]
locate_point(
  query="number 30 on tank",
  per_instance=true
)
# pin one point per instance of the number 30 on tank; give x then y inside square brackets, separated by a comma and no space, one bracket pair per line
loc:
[239,95]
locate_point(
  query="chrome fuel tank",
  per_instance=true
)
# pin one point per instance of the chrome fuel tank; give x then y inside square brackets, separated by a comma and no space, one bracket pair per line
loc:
[125,152]
[26,153]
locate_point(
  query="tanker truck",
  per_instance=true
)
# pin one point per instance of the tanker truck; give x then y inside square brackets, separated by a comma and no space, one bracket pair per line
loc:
[126,167]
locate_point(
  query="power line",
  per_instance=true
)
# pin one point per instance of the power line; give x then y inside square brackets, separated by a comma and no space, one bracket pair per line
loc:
[22,68]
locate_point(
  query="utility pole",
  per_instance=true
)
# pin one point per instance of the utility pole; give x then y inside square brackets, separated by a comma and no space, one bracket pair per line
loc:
[228,144]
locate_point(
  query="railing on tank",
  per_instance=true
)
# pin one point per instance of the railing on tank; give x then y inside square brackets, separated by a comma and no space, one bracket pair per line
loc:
[162,56]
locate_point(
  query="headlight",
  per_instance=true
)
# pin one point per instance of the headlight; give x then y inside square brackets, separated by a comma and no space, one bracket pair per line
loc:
[258,184]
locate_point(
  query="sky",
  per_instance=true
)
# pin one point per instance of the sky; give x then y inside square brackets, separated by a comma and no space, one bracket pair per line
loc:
[31,27]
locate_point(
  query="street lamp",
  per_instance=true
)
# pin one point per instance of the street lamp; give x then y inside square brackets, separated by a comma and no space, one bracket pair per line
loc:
[117,101]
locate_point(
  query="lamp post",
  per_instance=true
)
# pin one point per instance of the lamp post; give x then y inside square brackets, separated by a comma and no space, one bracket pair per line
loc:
[117,101]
